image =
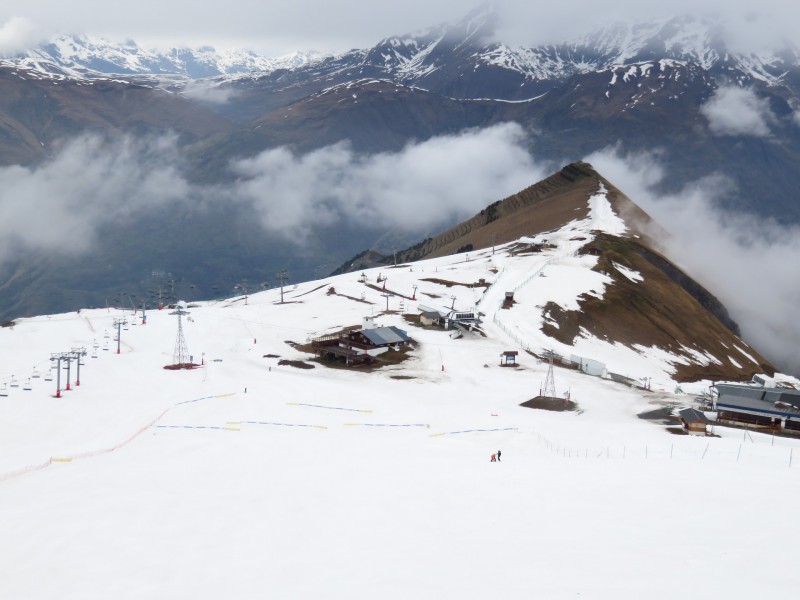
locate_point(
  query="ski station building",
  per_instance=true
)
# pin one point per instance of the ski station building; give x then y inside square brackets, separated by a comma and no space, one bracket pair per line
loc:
[362,345]
[449,318]
[758,406]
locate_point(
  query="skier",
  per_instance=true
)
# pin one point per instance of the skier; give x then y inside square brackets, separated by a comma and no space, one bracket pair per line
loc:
[498,455]
[494,458]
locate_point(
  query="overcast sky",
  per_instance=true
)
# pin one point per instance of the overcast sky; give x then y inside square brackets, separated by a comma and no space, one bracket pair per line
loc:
[280,26]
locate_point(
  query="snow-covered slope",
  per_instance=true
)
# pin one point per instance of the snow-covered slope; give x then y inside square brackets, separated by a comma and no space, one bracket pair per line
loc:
[253,475]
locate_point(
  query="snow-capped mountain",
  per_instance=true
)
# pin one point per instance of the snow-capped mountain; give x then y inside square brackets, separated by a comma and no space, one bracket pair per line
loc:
[465,59]
[90,57]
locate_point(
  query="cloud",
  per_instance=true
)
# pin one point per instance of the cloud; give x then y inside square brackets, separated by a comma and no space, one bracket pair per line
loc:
[737,111]
[16,34]
[749,263]
[61,204]
[207,92]
[425,185]
[283,26]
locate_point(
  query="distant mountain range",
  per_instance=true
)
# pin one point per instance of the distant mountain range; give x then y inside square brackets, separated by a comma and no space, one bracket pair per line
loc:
[89,57]
[637,87]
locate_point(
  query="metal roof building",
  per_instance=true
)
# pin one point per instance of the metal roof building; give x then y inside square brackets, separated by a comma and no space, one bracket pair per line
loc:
[382,336]
[759,405]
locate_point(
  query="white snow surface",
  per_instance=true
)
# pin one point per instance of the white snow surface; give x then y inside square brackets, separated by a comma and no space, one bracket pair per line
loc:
[246,478]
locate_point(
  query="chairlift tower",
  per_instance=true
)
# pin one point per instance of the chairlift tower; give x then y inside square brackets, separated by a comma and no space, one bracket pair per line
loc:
[549,389]
[77,354]
[57,357]
[181,354]
[119,324]
[387,296]
[283,277]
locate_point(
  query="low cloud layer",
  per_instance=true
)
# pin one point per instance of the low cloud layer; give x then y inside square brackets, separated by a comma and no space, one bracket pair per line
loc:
[204,91]
[750,264]
[61,204]
[92,181]
[426,185]
[738,111]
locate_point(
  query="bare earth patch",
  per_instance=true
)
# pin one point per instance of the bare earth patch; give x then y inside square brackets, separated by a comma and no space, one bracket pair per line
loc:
[551,404]
[298,364]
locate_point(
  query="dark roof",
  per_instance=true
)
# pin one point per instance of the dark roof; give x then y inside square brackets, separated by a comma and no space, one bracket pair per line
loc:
[385,335]
[691,415]
[430,314]
[759,400]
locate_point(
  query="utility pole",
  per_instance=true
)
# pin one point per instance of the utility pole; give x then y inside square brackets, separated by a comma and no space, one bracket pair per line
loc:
[77,354]
[118,323]
[494,239]
[283,277]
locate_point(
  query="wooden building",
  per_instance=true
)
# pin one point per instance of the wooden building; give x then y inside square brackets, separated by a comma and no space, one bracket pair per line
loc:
[693,421]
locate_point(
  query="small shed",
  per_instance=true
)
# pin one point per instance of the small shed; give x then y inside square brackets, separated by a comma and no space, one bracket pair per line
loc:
[693,421]
[508,301]
[509,358]
[427,317]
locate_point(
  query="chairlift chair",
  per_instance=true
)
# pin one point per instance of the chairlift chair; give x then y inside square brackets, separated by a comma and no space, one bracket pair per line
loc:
[14,382]
[4,390]
[27,387]
[49,375]
[35,374]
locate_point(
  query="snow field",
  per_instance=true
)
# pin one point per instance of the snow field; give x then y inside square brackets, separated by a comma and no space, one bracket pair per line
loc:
[343,483]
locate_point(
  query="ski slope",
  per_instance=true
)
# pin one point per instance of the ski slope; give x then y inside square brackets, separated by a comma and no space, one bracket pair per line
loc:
[247,478]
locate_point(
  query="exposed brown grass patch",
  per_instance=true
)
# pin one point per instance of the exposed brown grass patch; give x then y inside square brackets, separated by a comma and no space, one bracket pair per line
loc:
[658,311]
[297,364]
[447,283]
